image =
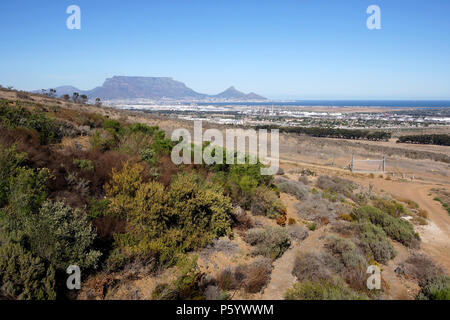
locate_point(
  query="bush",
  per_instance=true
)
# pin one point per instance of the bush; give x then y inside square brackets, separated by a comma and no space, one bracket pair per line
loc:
[293,188]
[240,180]
[344,228]
[304,180]
[163,223]
[98,208]
[24,276]
[270,242]
[252,277]
[113,126]
[10,161]
[28,190]
[322,290]
[228,280]
[374,242]
[312,226]
[347,254]
[185,287]
[134,143]
[422,268]
[310,266]
[103,140]
[242,220]
[337,185]
[437,288]
[62,236]
[83,164]
[298,232]
[265,202]
[391,207]
[17,116]
[321,210]
[396,228]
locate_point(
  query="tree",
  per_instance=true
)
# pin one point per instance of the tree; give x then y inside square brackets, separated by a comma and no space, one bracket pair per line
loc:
[75,97]
[98,102]
[84,99]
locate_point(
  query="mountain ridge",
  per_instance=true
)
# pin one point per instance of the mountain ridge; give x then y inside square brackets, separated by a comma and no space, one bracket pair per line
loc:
[135,87]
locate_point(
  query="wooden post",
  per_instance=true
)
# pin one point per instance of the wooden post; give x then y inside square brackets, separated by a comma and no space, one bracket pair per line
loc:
[352,163]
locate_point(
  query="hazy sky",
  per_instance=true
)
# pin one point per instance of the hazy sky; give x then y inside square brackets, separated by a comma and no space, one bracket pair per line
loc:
[280,49]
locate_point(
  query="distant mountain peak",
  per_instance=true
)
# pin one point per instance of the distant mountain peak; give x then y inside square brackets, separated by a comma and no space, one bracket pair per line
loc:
[137,87]
[233,94]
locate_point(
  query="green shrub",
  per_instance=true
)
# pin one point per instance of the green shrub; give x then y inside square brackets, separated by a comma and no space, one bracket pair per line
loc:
[115,261]
[164,222]
[312,226]
[102,140]
[10,161]
[83,164]
[99,208]
[140,127]
[322,290]
[240,180]
[266,202]
[24,276]
[134,143]
[396,228]
[374,242]
[391,207]
[437,288]
[28,190]
[346,252]
[270,242]
[148,155]
[62,236]
[113,126]
[17,116]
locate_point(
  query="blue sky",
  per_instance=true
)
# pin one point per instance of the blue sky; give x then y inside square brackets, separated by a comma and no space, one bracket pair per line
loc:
[301,49]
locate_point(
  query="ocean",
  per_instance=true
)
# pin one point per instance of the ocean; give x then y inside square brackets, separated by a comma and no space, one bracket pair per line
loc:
[344,103]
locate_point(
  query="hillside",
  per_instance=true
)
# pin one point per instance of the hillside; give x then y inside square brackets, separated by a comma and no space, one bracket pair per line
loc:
[100,184]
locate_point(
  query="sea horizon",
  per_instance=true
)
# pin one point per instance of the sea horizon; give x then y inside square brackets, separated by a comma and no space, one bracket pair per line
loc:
[344,103]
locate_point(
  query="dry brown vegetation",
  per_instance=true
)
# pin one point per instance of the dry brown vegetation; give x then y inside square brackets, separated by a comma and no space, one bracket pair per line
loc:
[325,198]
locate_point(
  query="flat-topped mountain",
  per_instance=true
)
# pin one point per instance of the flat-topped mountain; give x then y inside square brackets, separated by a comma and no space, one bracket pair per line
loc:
[123,87]
[143,87]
